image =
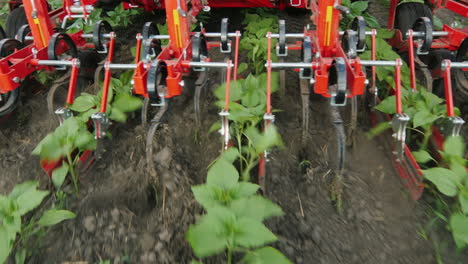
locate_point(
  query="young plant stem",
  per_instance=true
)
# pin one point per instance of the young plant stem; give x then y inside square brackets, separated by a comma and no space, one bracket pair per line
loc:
[72,171]
[229,260]
[427,136]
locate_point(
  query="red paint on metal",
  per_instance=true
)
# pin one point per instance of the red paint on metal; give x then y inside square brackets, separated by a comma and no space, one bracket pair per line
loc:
[448,89]
[72,84]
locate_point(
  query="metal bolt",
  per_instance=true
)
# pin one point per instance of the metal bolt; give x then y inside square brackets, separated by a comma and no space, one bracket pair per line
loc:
[16,79]
[206,9]
[132,82]
[182,83]
[366,82]
[312,80]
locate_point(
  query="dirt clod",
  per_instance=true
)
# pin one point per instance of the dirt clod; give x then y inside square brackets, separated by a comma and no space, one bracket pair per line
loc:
[89,223]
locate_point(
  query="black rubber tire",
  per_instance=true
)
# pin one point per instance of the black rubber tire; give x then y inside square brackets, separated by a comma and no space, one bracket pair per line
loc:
[15,20]
[89,60]
[462,76]
[408,13]
[434,61]
[2,33]
[10,99]
[435,58]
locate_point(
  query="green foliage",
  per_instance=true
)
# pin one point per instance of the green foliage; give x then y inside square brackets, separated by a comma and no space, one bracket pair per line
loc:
[4,11]
[121,17]
[23,199]
[253,41]
[86,25]
[246,109]
[73,136]
[452,180]
[235,215]
[234,212]
[119,102]
[358,8]
[55,4]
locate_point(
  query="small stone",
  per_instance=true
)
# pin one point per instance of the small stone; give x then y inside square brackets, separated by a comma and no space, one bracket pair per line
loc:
[115,214]
[378,205]
[311,191]
[77,243]
[303,227]
[100,222]
[165,235]
[365,216]
[299,260]
[163,157]
[316,237]
[121,231]
[147,242]
[289,250]
[152,257]
[89,223]
[144,257]
[159,246]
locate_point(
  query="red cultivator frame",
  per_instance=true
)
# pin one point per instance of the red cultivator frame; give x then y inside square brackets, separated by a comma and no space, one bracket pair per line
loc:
[39,47]
[330,65]
[334,69]
[160,71]
[150,5]
[430,55]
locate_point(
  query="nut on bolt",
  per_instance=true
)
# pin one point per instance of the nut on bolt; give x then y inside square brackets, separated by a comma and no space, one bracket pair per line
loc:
[16,79]
[182,83]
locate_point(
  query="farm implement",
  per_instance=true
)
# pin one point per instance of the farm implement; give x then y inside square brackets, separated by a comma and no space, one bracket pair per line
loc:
[39,45]
[330,66]
[439,60]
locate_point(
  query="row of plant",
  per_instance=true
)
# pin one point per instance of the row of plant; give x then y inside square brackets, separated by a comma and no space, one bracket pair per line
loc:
[22,227]
[426,110]
[234,212]
[234,217]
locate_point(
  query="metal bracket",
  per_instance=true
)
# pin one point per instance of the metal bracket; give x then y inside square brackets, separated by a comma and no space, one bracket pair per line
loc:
[224,131]
[299,3]
[278,51]
[269,117]
[162,91]
[399,123]
[451,126]
[63,114]
[101,124]
[228,49]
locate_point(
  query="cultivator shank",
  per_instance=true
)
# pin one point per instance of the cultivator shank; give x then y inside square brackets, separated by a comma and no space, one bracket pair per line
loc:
[329,66]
